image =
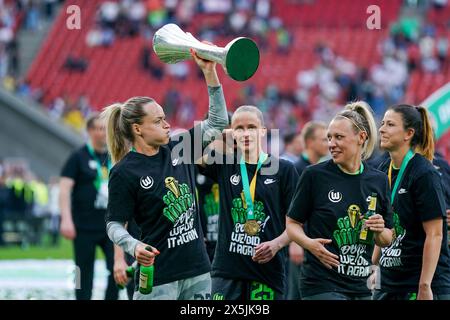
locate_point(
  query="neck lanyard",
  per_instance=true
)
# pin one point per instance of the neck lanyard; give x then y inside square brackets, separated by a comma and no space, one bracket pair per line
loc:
[249,191]
[360,171]
[405,161]
[305,157]
[102,174]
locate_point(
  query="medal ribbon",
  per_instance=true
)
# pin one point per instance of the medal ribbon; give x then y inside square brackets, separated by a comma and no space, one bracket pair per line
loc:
[101,174]
[405,161]
[249,191]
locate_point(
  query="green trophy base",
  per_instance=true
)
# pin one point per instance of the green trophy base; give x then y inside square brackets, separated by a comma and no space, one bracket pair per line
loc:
[242,59]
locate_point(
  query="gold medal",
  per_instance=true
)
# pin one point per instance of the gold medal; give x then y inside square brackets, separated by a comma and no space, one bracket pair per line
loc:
[104,173]
[251,227]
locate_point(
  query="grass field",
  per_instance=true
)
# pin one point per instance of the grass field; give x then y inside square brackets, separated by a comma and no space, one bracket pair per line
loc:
[63,251]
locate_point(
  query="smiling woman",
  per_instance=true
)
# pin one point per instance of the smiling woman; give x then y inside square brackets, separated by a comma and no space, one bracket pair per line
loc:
[416,264]
[331,197]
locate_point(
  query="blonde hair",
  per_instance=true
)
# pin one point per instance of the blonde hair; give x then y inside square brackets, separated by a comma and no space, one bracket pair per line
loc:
[360,114]
[251,109]
[119,119]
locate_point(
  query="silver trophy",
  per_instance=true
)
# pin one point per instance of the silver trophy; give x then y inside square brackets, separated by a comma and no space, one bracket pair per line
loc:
[239,58]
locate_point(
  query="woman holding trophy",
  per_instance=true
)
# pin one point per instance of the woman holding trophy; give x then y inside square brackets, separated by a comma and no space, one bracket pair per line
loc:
[156,188]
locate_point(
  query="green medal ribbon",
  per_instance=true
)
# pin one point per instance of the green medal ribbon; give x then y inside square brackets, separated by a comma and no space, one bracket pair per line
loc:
[305,156]
[405,161]
[249,190]
[101,176]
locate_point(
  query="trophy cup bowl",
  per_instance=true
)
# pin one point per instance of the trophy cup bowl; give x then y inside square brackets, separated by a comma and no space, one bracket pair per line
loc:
[239,58]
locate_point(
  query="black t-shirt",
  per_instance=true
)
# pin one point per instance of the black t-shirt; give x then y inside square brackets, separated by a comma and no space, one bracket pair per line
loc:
[419,199]
[208,198]
[301,164]
[234,250]
[159,193]
[328,202]
[443,168]
[88,210]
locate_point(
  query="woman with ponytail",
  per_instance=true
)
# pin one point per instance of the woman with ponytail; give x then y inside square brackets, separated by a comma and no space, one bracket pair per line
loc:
[326,214]
[416,265]
[153,182]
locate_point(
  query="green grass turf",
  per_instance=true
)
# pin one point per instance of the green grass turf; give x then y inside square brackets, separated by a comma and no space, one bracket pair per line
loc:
[63,251]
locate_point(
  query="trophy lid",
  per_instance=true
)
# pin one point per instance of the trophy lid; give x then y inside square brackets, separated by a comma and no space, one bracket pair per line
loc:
[242,59]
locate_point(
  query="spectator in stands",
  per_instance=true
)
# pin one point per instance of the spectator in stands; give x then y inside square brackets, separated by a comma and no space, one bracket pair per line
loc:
[76,63]
[32,16]
[284,40]
[83,200]
[49,8]
[135,14]
[440,4]
[74,118]
[178,70]
[146,60]
[108,14]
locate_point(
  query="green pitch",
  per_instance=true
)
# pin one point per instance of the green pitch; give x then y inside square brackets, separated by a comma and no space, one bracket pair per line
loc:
[63,251]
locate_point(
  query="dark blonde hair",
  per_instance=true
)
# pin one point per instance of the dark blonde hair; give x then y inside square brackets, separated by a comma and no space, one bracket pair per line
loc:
[417,118]
[360,115]
[119,119]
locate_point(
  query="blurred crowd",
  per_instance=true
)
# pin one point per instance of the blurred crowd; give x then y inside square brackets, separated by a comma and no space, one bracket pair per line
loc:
[14,15]
[414,43]
[29,209]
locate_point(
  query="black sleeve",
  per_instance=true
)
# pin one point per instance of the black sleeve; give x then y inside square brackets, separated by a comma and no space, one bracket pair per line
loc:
[386,206]
[444,169]
[289,178]
[71,167]
[302,202]
[212,169]
[121,199]
[383,166]
[428,196]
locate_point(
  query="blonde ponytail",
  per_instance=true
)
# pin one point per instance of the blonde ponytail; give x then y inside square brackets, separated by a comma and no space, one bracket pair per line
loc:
[115,140]
[361,115]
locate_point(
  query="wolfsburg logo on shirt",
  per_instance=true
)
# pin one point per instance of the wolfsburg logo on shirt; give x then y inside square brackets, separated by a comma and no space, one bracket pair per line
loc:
[146,182]
[180,210]
[235,179]
[334,197]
